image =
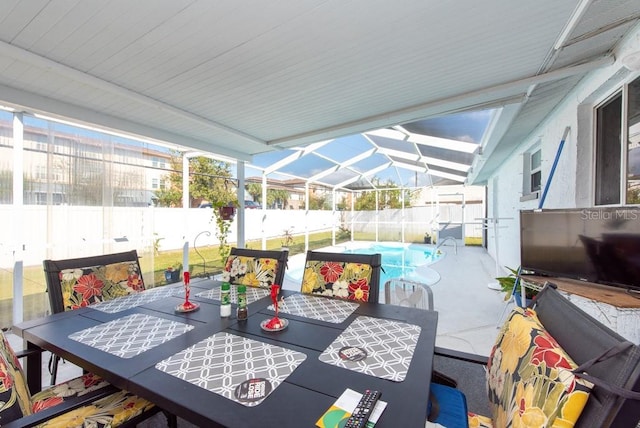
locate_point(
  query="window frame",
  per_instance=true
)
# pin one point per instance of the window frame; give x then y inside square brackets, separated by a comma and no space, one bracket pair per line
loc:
[622,92]
[528,171]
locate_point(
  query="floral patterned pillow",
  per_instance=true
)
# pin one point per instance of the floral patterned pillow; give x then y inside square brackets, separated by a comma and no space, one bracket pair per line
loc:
[250,271]
[529,377]
[337,279]
[14,395]
[111,411]
[84,286]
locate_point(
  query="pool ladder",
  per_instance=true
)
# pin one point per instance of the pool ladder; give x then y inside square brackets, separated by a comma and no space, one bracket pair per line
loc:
[448,238]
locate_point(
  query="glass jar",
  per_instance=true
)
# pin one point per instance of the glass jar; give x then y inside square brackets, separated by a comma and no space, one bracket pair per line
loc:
[242,302]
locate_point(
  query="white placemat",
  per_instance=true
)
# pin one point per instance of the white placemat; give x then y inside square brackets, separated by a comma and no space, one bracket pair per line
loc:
[129,336]
[375,346]
[316,307]
[253,293]
[136,299]
[238,368]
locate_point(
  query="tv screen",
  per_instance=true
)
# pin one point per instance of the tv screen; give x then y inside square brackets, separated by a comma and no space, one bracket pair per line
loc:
[591,244]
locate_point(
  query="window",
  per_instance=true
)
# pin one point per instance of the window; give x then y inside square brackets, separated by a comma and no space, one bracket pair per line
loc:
[532,173]
[157,162]
[41,172]
[617,167]
[154,183]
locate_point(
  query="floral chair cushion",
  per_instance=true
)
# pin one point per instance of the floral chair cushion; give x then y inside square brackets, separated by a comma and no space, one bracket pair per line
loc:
[337,279]
[16,401]
[479,421]
[111,411]
[250,271]
[84,286]
[529,378]
[14,395]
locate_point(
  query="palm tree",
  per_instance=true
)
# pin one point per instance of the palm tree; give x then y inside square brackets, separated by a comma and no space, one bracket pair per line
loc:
[255,190]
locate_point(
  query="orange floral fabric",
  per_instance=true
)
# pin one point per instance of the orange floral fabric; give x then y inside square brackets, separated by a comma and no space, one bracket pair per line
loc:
[84,286]
[16,401]
[250,271]
[337,279]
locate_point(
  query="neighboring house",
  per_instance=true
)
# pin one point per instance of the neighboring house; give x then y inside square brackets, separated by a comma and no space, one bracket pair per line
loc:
[295,187]
[71,167]
[599,164]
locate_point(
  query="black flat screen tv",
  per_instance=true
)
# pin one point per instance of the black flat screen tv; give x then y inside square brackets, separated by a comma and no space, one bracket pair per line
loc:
[591,244]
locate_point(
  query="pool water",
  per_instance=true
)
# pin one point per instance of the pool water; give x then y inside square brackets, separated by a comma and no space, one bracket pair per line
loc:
[401,261]
[408,261]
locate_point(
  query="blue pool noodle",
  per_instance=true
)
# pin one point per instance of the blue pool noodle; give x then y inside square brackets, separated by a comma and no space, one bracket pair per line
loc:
[553,167]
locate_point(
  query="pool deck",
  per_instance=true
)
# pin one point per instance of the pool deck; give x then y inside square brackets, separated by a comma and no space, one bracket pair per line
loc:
[468,310]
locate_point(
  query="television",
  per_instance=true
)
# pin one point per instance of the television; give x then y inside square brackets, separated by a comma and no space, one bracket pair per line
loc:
[599,245]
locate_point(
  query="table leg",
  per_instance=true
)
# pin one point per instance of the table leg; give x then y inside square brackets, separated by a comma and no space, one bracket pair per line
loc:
[34,368]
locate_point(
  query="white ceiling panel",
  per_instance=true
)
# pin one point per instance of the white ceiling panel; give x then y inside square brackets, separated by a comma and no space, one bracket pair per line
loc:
[244,77]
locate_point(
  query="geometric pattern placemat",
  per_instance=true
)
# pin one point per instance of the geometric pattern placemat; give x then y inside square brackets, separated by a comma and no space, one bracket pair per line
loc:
[129,336]
[240,369]
[135,299]
[253,294]
[319,308]
[374,346]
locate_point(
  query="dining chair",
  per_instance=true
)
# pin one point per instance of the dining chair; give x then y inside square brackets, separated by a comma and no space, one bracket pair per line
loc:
[255,268]
[84,401]
[343,275]
[552,365]
[80,282]
[404,292]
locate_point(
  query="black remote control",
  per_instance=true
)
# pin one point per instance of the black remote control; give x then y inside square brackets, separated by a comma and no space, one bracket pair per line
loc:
[362,412]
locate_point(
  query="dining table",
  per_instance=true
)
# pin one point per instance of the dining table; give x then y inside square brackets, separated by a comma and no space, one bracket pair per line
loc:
[221,371]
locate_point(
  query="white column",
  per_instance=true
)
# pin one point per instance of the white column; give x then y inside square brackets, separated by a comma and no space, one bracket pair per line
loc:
[240,211]
[306,216]
[333,216]
[377,215]
[353,204]
[402,215]
[18,217]
[264,210]
[186,199]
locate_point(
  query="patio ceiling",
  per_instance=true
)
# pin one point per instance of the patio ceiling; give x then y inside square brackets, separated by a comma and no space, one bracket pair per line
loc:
[242,78]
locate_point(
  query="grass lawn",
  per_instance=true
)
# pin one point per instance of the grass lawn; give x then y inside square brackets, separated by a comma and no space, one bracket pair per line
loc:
[34,281]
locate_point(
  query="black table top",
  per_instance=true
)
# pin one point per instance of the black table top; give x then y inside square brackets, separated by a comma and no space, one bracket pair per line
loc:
[298,401]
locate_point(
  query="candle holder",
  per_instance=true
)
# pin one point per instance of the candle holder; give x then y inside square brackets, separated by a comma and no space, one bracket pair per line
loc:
[275,323]
[187,306]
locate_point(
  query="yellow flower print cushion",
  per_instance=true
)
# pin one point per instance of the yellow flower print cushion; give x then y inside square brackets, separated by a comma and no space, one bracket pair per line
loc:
[337,279]
[479,421]
[529,377]
[111,411]
[250,271]
[84,286]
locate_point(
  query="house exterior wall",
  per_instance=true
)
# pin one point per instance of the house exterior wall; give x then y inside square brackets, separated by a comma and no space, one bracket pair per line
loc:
[572,183]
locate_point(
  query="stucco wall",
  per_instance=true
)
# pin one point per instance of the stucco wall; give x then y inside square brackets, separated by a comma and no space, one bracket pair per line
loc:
[572,183]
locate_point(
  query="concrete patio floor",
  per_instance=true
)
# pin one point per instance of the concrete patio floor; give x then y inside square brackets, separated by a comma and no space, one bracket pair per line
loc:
[468,310]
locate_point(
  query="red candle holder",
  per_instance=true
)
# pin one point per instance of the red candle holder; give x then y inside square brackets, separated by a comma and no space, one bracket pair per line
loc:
[275,323]
[187,306]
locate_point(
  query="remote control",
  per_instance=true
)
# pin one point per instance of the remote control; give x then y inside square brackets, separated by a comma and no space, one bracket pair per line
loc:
[362,412]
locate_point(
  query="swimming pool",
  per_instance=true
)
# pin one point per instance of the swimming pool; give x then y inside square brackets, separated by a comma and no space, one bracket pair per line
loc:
[408,261]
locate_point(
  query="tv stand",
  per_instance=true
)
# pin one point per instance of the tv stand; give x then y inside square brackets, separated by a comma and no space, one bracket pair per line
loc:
[615,296]
[614,307]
